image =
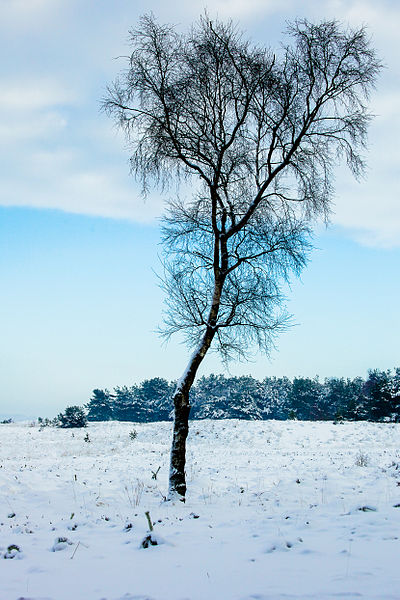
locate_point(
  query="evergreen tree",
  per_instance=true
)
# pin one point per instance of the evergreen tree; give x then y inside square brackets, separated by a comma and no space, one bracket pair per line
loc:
[100,406]
[306,399]
[395,395]
[74,416]
[275,394]
[377,390]
[339,395]
[126,406]
[244,399]
[356,407]
[210,398]
[155,395]
[219,397]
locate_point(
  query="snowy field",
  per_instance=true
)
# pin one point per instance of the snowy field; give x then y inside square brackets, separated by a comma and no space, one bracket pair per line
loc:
[275,511]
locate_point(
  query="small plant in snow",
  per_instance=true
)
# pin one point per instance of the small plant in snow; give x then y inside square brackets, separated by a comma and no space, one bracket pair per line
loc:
[150,539]
[61,543]
[47,423]
[395,466]
[12,551]
[155,473]
[133,434]
[134,493]
[362,459]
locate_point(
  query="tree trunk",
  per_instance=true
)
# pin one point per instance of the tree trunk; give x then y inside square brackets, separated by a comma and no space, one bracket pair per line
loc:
[177,476]
[177,479]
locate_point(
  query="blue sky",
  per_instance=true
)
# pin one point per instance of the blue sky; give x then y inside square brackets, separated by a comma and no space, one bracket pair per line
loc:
[79,301]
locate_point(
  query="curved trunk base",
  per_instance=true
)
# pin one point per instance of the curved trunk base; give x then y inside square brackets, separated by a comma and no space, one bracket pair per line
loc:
[177,478]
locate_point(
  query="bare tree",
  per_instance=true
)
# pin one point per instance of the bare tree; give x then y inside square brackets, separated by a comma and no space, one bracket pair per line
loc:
[257,135]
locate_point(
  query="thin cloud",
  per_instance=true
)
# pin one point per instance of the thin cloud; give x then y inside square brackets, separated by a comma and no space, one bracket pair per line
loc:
[58,152]
[370,212]
[23,14]
[25,129]
[22,95]
[245,9]
[58,180]
[31,111]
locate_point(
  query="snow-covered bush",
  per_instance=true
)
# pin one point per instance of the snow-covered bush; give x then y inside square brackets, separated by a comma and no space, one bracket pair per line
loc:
[362,459]
[61,543]
[74,416]
[13,551]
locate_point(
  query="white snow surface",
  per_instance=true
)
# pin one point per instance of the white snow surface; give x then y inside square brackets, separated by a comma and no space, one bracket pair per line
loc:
[274,511]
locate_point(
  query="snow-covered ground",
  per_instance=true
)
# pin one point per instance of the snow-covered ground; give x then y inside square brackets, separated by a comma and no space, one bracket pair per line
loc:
[275,511]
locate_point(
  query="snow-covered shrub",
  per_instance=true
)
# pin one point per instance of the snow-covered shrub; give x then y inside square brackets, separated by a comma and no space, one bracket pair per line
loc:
[74,416]
[47,422]
[13,551]
[149,540]
[362,459]
[134,493]
[61,543]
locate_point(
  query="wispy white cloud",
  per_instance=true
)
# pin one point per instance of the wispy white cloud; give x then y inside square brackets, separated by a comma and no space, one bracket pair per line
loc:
[47,161]
[381,17]
[370,212]
[31,95]
[23,128]
[370,209]
[31,110]
[23,14]
[244,9]
[60,153]
[66,180]
[19,8]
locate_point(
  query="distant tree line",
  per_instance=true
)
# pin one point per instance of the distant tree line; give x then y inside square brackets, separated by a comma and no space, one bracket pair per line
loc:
[218,397]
